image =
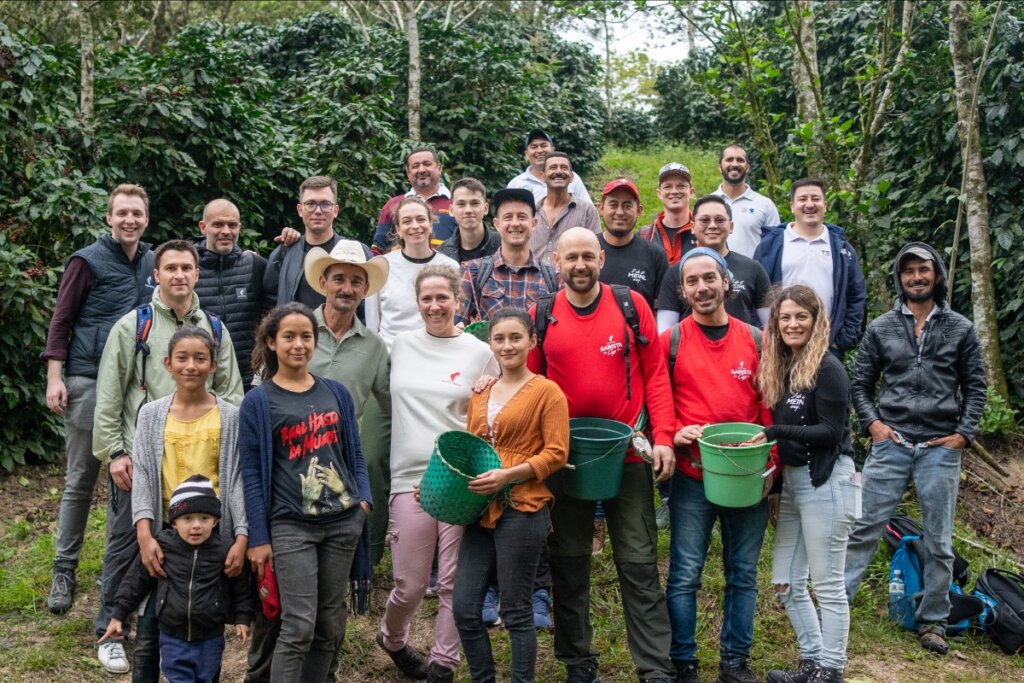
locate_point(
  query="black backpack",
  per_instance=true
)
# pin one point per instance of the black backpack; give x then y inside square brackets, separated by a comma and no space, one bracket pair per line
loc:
[901,525]
[623,298]
[1002,592]
[675,338]
[144,323]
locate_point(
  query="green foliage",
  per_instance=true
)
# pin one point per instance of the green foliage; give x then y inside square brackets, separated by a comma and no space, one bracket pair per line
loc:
[27,287]
[998,418]
[632,129]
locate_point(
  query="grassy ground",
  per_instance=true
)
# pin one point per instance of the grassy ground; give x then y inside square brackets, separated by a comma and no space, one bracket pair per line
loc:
[36,646]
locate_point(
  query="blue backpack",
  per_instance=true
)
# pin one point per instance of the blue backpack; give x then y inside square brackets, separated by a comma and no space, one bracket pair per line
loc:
[909,559]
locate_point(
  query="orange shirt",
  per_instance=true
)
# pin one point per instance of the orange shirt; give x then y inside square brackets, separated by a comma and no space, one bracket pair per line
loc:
[533,427]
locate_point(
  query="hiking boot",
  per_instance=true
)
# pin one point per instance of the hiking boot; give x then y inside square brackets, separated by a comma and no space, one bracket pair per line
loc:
[585,673]
[432,585]
[542,610]
[687,672]
[112,657]
[411,663]
[807,670]
[62,591]
[737,673]
[490,611]
[662,516]
[439,674]
[827,675]
[597,547]
[933,638]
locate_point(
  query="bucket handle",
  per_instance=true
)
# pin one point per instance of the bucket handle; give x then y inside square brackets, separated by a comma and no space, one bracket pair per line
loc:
[744,469]
[593,460]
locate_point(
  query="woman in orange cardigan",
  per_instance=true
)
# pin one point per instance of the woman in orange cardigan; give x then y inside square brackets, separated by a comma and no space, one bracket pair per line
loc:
[526,418]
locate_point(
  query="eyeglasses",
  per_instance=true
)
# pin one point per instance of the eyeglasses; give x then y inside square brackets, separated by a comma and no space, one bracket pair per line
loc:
[718,221]
[312,206]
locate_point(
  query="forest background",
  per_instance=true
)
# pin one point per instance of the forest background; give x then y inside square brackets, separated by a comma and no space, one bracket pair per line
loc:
[195,99]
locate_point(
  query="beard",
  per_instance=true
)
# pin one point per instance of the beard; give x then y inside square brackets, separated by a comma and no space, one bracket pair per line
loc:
[619,232]
[708,303]
[919,297]
[587,284]
[730,175]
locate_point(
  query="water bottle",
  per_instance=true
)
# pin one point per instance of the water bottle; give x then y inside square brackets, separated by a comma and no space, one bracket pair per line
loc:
[897,591]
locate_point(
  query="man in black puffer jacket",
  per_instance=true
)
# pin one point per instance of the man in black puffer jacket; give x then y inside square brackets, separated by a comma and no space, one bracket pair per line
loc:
[919,390]
[230,282]
[195,598]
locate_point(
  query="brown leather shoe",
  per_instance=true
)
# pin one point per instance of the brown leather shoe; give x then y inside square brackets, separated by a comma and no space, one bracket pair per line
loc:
[933,638]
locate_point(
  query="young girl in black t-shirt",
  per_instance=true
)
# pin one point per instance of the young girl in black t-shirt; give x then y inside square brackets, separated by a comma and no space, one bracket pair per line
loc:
[306,492]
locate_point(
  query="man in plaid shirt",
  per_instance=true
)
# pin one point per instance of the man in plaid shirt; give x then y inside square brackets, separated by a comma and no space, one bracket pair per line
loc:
[512,276]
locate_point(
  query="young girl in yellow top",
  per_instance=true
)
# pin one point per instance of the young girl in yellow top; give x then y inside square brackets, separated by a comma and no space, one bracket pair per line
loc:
[526,418]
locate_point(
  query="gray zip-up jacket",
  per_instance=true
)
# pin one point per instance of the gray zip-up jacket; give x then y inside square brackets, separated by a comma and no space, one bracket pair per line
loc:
[922,389]
[147,459]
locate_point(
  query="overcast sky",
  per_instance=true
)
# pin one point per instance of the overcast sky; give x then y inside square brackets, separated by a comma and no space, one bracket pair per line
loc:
[641,32]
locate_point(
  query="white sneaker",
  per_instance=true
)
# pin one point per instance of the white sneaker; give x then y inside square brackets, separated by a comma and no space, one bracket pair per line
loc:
[113,657]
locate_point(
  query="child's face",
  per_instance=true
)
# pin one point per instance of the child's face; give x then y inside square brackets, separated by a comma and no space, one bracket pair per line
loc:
[195,527]
[190,363]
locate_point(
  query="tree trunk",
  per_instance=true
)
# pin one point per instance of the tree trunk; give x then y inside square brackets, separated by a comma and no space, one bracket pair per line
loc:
[975,197]
[88,62]
[607,72]
[691,29]
[806,80]
[412,34]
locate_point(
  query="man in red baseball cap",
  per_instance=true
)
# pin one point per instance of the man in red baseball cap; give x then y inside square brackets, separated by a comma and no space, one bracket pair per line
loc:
[638,264]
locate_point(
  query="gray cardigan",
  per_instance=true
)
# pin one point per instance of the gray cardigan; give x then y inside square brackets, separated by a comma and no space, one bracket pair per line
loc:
[147,461]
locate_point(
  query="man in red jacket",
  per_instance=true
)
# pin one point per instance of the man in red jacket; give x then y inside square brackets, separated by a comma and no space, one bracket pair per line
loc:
[712,380]
[606,370]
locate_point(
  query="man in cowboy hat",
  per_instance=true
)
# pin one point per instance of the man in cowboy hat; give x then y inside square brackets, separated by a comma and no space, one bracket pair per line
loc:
[347,352]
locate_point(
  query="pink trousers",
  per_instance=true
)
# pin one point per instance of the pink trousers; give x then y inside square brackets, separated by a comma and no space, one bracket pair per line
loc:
[414,535]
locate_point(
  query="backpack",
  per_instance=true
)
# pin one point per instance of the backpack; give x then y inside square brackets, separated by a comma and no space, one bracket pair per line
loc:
[901,525]
[624,299]
[909,560]
[143,326]
[483,274]
[675,338]
[1002,592]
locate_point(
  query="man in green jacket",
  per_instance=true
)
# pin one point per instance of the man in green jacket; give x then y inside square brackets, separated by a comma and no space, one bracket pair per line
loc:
[125,381]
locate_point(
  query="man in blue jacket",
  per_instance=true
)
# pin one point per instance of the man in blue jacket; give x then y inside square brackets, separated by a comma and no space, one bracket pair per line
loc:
[811,252]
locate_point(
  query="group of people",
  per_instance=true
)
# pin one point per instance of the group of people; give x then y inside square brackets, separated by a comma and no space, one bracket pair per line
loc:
[265,423]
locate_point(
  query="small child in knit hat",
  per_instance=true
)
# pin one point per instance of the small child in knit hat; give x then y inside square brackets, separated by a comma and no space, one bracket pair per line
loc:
[191,609]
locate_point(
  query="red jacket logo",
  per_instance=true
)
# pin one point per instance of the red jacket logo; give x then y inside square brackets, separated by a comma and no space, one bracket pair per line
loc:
[453,376]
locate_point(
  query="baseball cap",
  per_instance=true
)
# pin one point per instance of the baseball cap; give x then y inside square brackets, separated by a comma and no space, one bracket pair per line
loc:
[535,134]
[673,167]
[621,183]
[919,252]
[513,194]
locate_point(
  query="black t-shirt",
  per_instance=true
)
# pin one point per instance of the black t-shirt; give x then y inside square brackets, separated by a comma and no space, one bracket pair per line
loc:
[311,481]
[750,287]
[640,265]
[305,293]
[714,332]
[479,251]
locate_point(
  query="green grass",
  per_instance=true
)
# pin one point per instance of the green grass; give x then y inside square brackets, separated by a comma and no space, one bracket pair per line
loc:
[642,168]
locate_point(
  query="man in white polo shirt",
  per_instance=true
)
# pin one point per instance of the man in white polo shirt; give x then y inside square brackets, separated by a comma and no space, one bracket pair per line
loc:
[811,252]
[751,211]
[537,148]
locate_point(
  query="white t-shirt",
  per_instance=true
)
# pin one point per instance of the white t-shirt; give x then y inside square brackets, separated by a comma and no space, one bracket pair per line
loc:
[431,384]
[808,262]
[528,181]
[393,309]
[751,213]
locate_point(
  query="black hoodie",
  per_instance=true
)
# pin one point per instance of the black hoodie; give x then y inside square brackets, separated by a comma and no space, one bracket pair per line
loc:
[924,388]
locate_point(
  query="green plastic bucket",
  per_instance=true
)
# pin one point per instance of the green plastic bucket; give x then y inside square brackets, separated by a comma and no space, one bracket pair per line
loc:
[597,451]
[733,475]
[481,329]
[458,457]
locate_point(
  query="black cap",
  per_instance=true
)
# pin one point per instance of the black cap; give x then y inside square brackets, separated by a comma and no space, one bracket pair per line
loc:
[513,194]
[537,134]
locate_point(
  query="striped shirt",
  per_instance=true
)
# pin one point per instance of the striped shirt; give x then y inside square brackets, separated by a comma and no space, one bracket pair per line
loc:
[575,214]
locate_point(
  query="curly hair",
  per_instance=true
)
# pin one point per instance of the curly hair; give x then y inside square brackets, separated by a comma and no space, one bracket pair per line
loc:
[780,368]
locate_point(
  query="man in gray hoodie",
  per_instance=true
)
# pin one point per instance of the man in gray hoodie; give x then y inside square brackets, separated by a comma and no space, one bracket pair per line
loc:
[919,390]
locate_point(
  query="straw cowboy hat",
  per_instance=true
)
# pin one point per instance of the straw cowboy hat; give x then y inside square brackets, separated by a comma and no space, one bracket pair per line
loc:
[350,252]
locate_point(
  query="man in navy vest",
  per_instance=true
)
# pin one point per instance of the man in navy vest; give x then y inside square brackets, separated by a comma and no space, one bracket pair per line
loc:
[230,281]
[101,283]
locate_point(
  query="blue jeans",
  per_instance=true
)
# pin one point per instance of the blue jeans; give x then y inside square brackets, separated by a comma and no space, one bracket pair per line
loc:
[935,471]
[195,662]
[810,540]
[693,519]
[509,553]
[312,562]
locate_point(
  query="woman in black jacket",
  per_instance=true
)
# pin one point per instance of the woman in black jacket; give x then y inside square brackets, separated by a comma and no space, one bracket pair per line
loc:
[807,389]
